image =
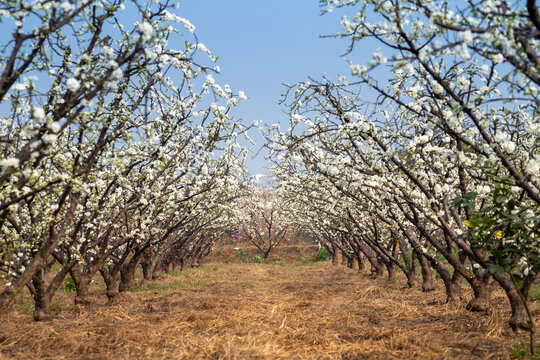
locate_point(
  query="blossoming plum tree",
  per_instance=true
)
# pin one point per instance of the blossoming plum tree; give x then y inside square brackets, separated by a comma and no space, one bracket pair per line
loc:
[263,219]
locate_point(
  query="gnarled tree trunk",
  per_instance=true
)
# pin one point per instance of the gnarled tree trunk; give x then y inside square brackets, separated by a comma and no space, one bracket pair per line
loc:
[482,295]
[428,281]
[109,277]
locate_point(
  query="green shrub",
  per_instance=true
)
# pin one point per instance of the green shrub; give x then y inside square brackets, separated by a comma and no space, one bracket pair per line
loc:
[257,260]
[68,285]
[322,255]
[242,254]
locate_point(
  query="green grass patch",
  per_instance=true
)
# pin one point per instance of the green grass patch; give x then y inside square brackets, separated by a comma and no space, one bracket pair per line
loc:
[520,351]
[246,285]
[68,285]
[205,268]
[534,294]
[256,260]
[241,256]
[322,255]
[141,288]
[200,282]
[278,263]
[176,273]
[56,308]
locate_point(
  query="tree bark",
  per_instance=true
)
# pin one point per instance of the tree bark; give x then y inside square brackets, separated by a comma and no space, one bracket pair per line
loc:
[355,264]
[42,303]
[127,275]
[110,282]
[360,260]
[519,318]
[482,295]
[411,278]
[391,269]
[82,282]
[344,258]
[428,281]
[377,269]
[335,255]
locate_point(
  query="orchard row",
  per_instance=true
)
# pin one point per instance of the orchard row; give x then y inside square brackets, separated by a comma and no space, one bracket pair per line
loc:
[118,149]
[429,154]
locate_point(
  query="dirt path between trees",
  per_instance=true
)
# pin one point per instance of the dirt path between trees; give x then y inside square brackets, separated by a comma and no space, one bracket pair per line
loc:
[262,311]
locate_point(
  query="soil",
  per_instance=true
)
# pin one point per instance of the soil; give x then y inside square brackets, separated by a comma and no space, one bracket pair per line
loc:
[288,309]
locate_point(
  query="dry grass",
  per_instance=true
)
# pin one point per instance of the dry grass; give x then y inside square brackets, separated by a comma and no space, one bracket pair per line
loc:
[261,311]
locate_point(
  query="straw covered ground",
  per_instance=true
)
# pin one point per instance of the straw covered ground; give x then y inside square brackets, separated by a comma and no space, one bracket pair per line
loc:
[283,310]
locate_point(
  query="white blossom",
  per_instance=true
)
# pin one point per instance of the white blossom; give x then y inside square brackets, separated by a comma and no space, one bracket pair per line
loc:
[533,167]
[146,29]
[50,138]
[73,84]
[38,113]
[9,163]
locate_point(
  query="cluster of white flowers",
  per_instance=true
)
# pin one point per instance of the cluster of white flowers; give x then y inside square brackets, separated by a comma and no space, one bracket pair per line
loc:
[146,29]
[10,163]
[73,84]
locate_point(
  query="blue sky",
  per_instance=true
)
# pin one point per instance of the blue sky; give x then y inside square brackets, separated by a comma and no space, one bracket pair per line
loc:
[262,44]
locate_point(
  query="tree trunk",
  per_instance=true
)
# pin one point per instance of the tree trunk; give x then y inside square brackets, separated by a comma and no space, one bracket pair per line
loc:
[42,303]
[127,276]
[344,258]
[150,265]
[82,297]
[482,295]
[350,262]
[147,268]
[457,277]
[428,281]
[391,265]
[159,270]
[81,285]
[377,269]
[174,265]
[519,318]
[335,255]
[391,269]
[110,282]
[355,264]
[360,260]
[453,291]
[411,278]
[410,264]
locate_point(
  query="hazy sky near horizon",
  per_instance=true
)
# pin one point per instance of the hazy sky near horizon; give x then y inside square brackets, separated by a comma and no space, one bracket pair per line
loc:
[262,44]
